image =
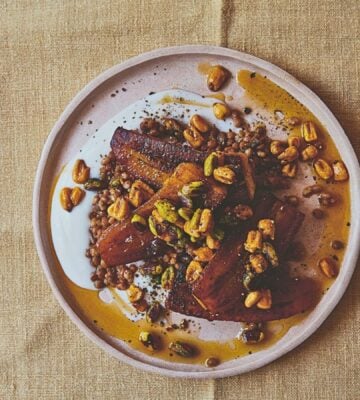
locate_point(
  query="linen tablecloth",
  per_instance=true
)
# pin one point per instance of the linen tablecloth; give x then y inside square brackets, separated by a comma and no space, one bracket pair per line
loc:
[48,51]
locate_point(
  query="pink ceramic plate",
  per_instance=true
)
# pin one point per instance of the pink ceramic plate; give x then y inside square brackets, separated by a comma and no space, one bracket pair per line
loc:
[122,85]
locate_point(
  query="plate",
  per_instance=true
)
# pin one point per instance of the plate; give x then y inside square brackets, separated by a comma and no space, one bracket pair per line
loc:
[98,103]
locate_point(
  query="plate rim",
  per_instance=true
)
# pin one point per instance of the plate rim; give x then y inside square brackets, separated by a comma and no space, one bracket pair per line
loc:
[41,248]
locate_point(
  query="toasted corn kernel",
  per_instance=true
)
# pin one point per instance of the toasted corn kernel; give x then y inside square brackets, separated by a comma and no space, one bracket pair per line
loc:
[224,175]
[168,277]
[134,293]
[253,241]
[80,172]
[210,163]
[199,123]
[265,302]
[193,271]
[243,212]
[65,199]
[267,228]
[308,191]
[328,267]
[212,243]
[182,349]
[193,189]
[258,262]
[252,298]
[323,169]
[309,153]
[295,141]
[289,170]
[185,213]
[193,137]
[270,253]
[120,209]
[166,211]
[139,193]
[77,195]
[204,254]
[221,110]
[148,340]
[217,76]
[309,132]
[291,153]
[138,221]
[206,222]
[277,147]
[340,172]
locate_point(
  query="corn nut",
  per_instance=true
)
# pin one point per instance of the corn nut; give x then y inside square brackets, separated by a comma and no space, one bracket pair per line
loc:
[289,170]
[309,153]
[120,209]
[193,271]
[323,169]
[265,301]
[193,137]
[291,153]
[258,263]
[65,199]
[76,196]
[221,110]
[80,172]
[340,172]
[328,267]
[267,228]
[224,175]
[277,147]
[204,254]
[134,293]
[270,253]
[217,76]
[295,141]
[309,132]
[253,241]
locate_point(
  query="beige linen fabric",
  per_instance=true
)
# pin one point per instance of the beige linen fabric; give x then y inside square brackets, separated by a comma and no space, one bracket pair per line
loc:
[48,51]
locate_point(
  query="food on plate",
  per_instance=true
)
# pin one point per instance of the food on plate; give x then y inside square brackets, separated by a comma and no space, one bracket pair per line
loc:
[187,218]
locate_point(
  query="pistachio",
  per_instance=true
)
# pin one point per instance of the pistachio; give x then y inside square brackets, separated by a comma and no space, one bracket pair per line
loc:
[120,209]
[203,254]
[270,253]
[193,137]
[295,141]
[217,76]
[323,169]
[138,221]
[76,195]
[265,301]
[80,172]
[212,243]
[248,280]
[243,212]
[291,153]
[221,110]
[134,293]
[340,172]
[289,170]
[267,228]
[193,271]
[277,147]
[154,312]
[185,213]
[167,211]
[328,267]
[115,183]
[193,189]
[252,298]
[308,191]
[252,334]
[95,184]
[168,277]
[258,263]
[199,123]
[152,225]
[210,163]
[65,199]
[224,175]
[192,227]
[253,241]
[182,349]
[148,340]
[309,132]
[185,201]
[309,153]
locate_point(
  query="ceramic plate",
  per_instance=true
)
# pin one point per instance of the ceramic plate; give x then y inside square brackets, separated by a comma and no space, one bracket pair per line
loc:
[99,103]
